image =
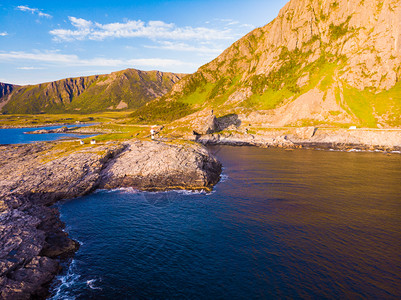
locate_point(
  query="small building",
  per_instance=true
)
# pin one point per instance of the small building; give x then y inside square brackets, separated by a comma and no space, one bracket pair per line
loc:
[93,142]
[352,128]
[81,142]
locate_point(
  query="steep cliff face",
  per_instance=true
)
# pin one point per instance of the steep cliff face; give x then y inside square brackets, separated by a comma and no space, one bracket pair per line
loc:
[320,61]
[124,89]
[364,35]
[5,90]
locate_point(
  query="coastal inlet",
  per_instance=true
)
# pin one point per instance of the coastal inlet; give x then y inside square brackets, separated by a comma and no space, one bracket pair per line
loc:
[35,176]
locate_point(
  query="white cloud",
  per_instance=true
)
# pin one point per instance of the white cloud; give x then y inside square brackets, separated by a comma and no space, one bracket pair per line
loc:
[167,45]
[37,56]
[80,23]
[250,26]
[29,68]
[33,11]
[84,29]
[3,33]
[67,60]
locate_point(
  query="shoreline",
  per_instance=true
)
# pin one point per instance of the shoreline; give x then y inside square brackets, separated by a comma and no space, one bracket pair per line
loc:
[310,138]
[35,176]
[311,146]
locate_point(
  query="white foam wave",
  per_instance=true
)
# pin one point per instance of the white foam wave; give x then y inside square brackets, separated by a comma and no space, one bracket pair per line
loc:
[191,193]
[129,190]
[91,284]
[66,281]
[224,178]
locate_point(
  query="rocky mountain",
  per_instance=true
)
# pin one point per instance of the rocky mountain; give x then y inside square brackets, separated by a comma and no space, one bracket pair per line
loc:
[119,90]
[331,62]
[5,90]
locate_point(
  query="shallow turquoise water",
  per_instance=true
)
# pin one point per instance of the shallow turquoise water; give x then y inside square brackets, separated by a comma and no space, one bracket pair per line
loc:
[281,224]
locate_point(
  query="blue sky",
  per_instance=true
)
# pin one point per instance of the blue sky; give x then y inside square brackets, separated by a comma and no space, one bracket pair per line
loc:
[43,41]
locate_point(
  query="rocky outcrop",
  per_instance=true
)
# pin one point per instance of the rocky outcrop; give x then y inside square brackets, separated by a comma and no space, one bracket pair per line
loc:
[31,241]
[311,137]
[119,90]
[203,122]
[35,176]
[63,129]
[161,166]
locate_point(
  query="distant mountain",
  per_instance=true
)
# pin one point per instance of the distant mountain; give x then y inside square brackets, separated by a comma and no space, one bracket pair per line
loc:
[119,90]
[335,62]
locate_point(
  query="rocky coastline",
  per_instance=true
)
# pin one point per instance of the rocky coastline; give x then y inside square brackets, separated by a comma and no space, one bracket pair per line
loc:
[35,176]
[311,138]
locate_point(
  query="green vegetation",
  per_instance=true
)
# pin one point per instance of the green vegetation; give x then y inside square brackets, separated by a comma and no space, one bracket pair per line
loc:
[286,75]
[269,99]
[111,137]
[161,112]
[369,108]
[360,106]
[337,31]
[199,96]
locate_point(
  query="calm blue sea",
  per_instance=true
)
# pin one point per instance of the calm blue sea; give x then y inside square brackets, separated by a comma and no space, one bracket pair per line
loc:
[17,136]
[281,224]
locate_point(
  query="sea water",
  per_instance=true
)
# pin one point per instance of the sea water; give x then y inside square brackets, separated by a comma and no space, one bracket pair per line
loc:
[280,224]
[18,135]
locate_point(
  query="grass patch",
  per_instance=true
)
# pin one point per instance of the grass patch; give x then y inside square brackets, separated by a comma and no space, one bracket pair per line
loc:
[269,99]
[111,137]
[199,96]
[360,104]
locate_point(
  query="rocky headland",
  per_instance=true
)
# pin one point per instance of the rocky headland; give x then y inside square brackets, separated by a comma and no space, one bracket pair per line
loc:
[35,176]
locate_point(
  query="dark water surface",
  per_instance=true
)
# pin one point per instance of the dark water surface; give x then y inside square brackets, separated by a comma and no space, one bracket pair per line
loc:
[282,224]
[17,135]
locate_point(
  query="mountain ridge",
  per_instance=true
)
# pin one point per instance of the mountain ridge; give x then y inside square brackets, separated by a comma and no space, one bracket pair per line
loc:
[128,88]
